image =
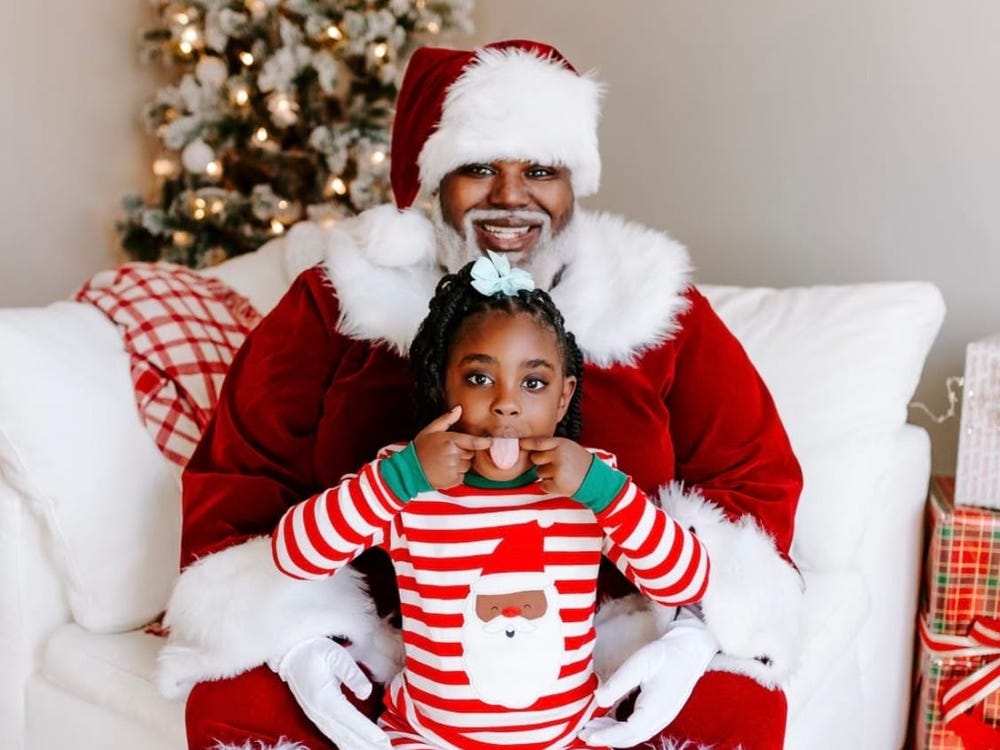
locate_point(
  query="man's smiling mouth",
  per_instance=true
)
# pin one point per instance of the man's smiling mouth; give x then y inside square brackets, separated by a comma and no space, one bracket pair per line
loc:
[505,233]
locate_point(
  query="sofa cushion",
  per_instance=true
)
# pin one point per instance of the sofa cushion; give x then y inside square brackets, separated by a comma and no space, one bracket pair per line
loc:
[113,671]
[842,363]
[836,607]
[72,445]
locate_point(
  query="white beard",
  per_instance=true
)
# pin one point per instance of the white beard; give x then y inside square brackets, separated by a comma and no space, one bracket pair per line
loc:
[545,260]
[513,672]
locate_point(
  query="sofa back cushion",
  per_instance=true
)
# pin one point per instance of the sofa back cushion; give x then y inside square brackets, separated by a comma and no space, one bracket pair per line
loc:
[72,446]
[842,363]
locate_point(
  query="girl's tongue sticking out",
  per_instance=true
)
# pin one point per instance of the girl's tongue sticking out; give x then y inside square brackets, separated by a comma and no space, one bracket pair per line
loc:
[504,452]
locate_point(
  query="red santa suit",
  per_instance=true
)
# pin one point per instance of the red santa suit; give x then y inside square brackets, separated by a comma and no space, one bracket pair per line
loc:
[323,382]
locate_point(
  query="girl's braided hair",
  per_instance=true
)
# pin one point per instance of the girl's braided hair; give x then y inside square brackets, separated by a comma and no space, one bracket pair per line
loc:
[455,301]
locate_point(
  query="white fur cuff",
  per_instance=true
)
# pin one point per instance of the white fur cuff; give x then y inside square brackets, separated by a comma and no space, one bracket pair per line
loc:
[753,604]
[233,610]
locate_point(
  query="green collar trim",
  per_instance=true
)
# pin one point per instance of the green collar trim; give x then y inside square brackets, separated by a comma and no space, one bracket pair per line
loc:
[475,480]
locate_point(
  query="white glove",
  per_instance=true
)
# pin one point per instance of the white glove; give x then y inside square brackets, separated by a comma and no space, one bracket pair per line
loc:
[666,670]
[314,671]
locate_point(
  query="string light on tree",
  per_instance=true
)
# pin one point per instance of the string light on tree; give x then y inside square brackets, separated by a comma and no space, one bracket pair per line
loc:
[166,167]
[277,111]
[336,186]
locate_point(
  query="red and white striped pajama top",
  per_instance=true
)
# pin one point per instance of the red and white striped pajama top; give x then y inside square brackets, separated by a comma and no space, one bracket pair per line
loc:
[498,585]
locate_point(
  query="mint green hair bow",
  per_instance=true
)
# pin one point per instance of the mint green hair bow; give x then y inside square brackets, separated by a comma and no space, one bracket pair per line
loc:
[493,275]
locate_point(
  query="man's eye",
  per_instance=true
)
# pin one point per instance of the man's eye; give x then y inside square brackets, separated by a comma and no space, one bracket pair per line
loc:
[478,170]
[537,172]
[534,384]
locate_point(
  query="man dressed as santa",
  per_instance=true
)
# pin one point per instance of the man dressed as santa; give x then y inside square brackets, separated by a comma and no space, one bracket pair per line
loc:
[491,150]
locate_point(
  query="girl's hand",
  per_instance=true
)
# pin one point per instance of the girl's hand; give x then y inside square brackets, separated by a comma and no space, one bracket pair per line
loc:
[446,456]
[562,464]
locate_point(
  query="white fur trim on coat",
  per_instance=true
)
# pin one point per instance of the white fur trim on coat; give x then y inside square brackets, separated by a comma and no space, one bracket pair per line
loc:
[625,625]
[511,104]
[616,271]
[233,610]
[258,745]
[753,603]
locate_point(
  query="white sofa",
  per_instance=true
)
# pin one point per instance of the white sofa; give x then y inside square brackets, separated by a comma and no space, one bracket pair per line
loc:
[89,511]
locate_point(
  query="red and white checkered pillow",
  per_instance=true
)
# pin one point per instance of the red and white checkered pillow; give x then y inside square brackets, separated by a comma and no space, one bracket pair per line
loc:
[181,331]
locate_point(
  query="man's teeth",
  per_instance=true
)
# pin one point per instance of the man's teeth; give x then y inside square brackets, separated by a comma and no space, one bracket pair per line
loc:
[506,232]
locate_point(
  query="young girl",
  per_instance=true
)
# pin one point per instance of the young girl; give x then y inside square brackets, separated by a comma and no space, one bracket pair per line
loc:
[496,521]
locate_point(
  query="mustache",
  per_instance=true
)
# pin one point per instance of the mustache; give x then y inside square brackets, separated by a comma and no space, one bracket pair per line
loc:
[517,624]
[515,214]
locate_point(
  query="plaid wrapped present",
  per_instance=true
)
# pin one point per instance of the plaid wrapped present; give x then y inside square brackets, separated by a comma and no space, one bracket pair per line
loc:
[957,702]
[977,480]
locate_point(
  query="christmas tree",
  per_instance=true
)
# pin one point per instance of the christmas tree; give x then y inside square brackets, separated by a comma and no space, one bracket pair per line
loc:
[282,112]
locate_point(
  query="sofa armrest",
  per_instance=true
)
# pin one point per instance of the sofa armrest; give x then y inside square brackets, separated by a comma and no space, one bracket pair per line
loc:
[890,559]
[32,605]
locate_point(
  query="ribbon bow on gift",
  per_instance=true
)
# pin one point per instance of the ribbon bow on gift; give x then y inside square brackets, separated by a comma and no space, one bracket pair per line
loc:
[983,640]
[493,275]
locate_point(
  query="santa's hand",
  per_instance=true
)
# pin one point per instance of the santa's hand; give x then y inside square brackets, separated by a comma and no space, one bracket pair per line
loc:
[314,670]
[445,456]
[666,670]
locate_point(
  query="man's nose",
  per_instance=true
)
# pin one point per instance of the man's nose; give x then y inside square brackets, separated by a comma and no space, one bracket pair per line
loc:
[509,190]
[510,611]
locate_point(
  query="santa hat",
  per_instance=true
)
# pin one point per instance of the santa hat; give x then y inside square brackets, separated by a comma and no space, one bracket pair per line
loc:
[517,564]
[516,99]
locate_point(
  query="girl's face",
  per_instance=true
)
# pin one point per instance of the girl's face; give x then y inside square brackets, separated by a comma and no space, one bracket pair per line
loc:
[506,372]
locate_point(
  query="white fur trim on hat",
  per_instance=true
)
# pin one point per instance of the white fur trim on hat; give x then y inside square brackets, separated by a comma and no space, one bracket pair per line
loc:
[512,104]
[233,610]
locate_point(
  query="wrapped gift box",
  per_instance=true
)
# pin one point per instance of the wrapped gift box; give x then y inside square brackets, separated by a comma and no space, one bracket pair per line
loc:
[977,480]
[961,583]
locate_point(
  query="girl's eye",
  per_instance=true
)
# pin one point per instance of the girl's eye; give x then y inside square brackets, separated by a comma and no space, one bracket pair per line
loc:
[534,384]
[477,378]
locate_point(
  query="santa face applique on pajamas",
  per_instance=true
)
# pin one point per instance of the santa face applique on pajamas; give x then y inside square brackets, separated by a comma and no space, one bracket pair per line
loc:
[513,635]
[497,591]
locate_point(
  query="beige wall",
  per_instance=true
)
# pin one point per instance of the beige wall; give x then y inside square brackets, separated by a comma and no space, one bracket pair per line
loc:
[70,142]
[789,142]
[785,142]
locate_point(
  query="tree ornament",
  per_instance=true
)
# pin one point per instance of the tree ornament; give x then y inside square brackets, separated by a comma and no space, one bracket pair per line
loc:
[196,157]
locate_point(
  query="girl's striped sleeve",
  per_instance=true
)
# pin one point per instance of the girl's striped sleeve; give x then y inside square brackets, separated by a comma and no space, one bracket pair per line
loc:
[318,536]
[666,561]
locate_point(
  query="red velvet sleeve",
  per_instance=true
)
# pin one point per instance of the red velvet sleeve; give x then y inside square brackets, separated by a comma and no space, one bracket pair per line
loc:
[729,441]
[257,456]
